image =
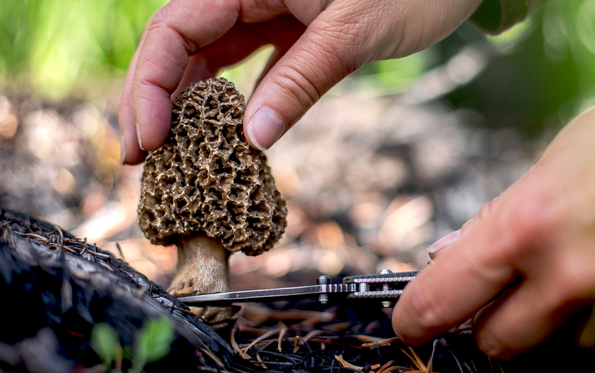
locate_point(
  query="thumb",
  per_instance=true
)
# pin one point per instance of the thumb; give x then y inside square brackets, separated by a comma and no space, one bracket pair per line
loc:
[341,39]
[322,56]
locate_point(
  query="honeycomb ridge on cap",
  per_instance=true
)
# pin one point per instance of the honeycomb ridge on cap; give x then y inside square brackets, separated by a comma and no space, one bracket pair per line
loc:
[207,179]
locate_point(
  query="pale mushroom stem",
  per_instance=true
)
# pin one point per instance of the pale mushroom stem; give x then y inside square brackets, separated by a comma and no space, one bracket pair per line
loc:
[203,267]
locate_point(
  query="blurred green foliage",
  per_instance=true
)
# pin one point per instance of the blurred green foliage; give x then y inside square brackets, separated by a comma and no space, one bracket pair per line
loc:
[153,343]
[541,79]
[105,342]
[53,45]
[546,77]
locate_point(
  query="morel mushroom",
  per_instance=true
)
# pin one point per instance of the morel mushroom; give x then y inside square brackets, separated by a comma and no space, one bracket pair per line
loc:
[208,192]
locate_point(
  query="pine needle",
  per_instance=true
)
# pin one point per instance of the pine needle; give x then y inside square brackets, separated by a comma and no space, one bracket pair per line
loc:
[282,331]
[266,335]
[296,343]
[261,362]
[346,364]
[385,366]
[119,247]
[235,346]
[305,340]
[379,342]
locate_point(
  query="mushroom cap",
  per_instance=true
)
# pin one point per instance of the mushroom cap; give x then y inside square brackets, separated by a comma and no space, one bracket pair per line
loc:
[206,179]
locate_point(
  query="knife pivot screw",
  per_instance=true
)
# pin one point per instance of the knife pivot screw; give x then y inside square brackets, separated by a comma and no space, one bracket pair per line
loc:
[323,280]
[385,287]
[363,287]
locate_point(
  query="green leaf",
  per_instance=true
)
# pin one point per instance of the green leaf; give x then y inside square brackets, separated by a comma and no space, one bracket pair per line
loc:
[154,342]
[104,341]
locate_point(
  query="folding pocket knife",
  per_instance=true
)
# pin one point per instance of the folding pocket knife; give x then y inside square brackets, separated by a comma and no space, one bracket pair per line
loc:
[385,287]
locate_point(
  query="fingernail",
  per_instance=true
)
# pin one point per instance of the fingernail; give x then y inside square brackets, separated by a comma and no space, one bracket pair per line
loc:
[139,136]
[443,242]
[265,128]
[122,150]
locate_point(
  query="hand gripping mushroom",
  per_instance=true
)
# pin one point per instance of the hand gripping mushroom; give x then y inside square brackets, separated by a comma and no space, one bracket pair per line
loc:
[209,193]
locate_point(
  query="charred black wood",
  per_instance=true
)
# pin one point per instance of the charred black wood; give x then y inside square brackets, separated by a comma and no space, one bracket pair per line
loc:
[54,288]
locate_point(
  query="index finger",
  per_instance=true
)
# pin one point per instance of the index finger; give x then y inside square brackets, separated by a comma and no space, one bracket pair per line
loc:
[177,31]
[463,279]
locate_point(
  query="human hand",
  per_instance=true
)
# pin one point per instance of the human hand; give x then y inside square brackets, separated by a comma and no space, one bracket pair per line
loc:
[523,265]
[317,43]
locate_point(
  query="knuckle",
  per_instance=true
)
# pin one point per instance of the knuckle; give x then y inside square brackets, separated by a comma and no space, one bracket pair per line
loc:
[314,69]
[158,20]
[350,42]
[346,31]
[167,21]
[171,12]
[527,226]
[575,282]
[328,52]
[254,11]
[297,84]
[485,210]
[534,219]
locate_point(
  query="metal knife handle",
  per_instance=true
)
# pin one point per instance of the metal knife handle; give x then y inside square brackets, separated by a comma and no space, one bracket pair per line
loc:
[384,286]
[398,277]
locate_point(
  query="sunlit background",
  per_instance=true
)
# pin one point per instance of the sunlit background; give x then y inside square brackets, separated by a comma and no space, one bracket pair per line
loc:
[397,155]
